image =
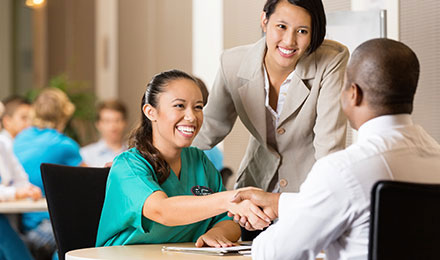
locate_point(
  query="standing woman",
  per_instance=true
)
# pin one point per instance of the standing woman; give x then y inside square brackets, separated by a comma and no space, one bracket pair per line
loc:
[285,89]
[162,190]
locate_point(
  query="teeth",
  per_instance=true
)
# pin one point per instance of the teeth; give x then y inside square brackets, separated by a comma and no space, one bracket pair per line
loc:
[186,129]
[285,51]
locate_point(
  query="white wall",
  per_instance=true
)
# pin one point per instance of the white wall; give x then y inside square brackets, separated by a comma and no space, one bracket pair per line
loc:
[106,45]
[207,38]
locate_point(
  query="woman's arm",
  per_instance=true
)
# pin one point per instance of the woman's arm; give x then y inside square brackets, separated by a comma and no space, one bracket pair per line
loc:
[219,113]
[331,123]
[183,210]
[223,234]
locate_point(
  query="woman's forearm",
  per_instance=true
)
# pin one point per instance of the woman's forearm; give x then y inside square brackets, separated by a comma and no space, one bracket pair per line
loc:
[182,210]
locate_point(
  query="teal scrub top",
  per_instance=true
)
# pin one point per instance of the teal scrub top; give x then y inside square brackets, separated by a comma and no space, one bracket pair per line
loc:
[132,179]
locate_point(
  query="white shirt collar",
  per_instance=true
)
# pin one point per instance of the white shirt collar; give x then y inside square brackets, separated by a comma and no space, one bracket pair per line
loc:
[382,123]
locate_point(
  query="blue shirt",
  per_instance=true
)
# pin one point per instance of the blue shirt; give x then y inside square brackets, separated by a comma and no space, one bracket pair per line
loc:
[216,157]
[34,146]
[132,180]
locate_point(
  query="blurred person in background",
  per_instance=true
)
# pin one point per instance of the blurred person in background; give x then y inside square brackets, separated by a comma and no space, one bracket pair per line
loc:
[11,246]
[13,178]
[44,142]
[16,117]
[111,123]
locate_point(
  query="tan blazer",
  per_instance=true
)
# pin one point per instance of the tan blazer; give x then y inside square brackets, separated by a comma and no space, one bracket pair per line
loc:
[311,123]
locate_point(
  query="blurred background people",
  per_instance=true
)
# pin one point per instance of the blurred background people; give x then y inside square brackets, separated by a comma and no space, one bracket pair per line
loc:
[111,123]
[16,117]
[44,142]
[11,246]
[13,178]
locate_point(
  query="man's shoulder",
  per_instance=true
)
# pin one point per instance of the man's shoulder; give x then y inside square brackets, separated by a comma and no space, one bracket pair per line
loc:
[345,161]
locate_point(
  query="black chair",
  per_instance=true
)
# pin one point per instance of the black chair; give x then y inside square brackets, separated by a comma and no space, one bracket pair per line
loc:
[404,221]
[75,196]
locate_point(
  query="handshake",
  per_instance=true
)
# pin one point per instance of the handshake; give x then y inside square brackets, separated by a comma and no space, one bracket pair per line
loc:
[253,208]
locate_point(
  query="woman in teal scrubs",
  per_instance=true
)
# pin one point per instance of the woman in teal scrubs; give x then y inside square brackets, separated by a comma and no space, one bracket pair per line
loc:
[162,190]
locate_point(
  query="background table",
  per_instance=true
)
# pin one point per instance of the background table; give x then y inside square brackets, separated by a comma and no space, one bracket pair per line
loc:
[22,206]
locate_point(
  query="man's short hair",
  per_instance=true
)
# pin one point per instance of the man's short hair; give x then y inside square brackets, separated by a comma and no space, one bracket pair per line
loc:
[387,72]
[113,104]
[12,103]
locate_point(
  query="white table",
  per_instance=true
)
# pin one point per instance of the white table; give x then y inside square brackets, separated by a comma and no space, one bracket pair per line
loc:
[22,206]
[145,252]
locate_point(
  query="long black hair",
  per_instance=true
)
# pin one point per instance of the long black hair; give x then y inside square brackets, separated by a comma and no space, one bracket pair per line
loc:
[142,136]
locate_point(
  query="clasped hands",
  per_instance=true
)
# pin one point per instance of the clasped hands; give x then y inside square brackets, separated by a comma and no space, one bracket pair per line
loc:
[253,208]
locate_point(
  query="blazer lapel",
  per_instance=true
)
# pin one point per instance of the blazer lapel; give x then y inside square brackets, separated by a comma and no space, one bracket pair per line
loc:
[298,91]
[252,91]
[296,95]
[252,97]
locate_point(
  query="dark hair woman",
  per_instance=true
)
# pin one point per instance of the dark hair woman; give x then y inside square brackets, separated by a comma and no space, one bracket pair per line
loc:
[162,190]
[285,89]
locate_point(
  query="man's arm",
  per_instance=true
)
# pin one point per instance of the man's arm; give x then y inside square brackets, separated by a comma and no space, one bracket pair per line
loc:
[308,221]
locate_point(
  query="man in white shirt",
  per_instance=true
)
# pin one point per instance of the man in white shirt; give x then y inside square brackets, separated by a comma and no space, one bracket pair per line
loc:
[111,123]
[331,211]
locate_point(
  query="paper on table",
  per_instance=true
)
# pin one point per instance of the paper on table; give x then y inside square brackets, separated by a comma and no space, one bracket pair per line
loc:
[208,250]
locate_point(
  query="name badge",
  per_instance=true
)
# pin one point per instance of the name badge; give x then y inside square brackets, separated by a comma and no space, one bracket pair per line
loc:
[201,190]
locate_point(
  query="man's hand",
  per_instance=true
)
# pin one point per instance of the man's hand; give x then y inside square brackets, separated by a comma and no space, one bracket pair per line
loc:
[267,201]
[253,214]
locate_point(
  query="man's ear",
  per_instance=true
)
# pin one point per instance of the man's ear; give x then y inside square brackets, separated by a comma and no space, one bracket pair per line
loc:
[357,94]
[149,112]
[263,21]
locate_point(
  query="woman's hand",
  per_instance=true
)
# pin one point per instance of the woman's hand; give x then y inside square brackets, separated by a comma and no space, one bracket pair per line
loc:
[248,211]
[267,202]
[213,239]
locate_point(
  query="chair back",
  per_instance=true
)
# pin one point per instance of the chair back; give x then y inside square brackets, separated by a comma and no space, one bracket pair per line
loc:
[404,221]
[75,196]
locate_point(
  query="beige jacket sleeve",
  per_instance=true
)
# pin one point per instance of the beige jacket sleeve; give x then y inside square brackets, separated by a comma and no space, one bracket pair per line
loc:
[330,125]
[219,114]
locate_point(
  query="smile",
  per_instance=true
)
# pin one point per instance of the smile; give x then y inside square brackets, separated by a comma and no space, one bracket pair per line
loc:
[286,52]
[186,130]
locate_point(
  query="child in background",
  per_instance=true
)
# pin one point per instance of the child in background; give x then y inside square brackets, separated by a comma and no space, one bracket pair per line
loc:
[111,122]
[162,190]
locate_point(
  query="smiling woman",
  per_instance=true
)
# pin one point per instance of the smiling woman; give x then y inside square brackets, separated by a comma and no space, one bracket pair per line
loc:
[285,89]
[162,190]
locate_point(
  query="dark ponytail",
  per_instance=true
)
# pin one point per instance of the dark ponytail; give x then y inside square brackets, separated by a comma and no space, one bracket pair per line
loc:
[142,136]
